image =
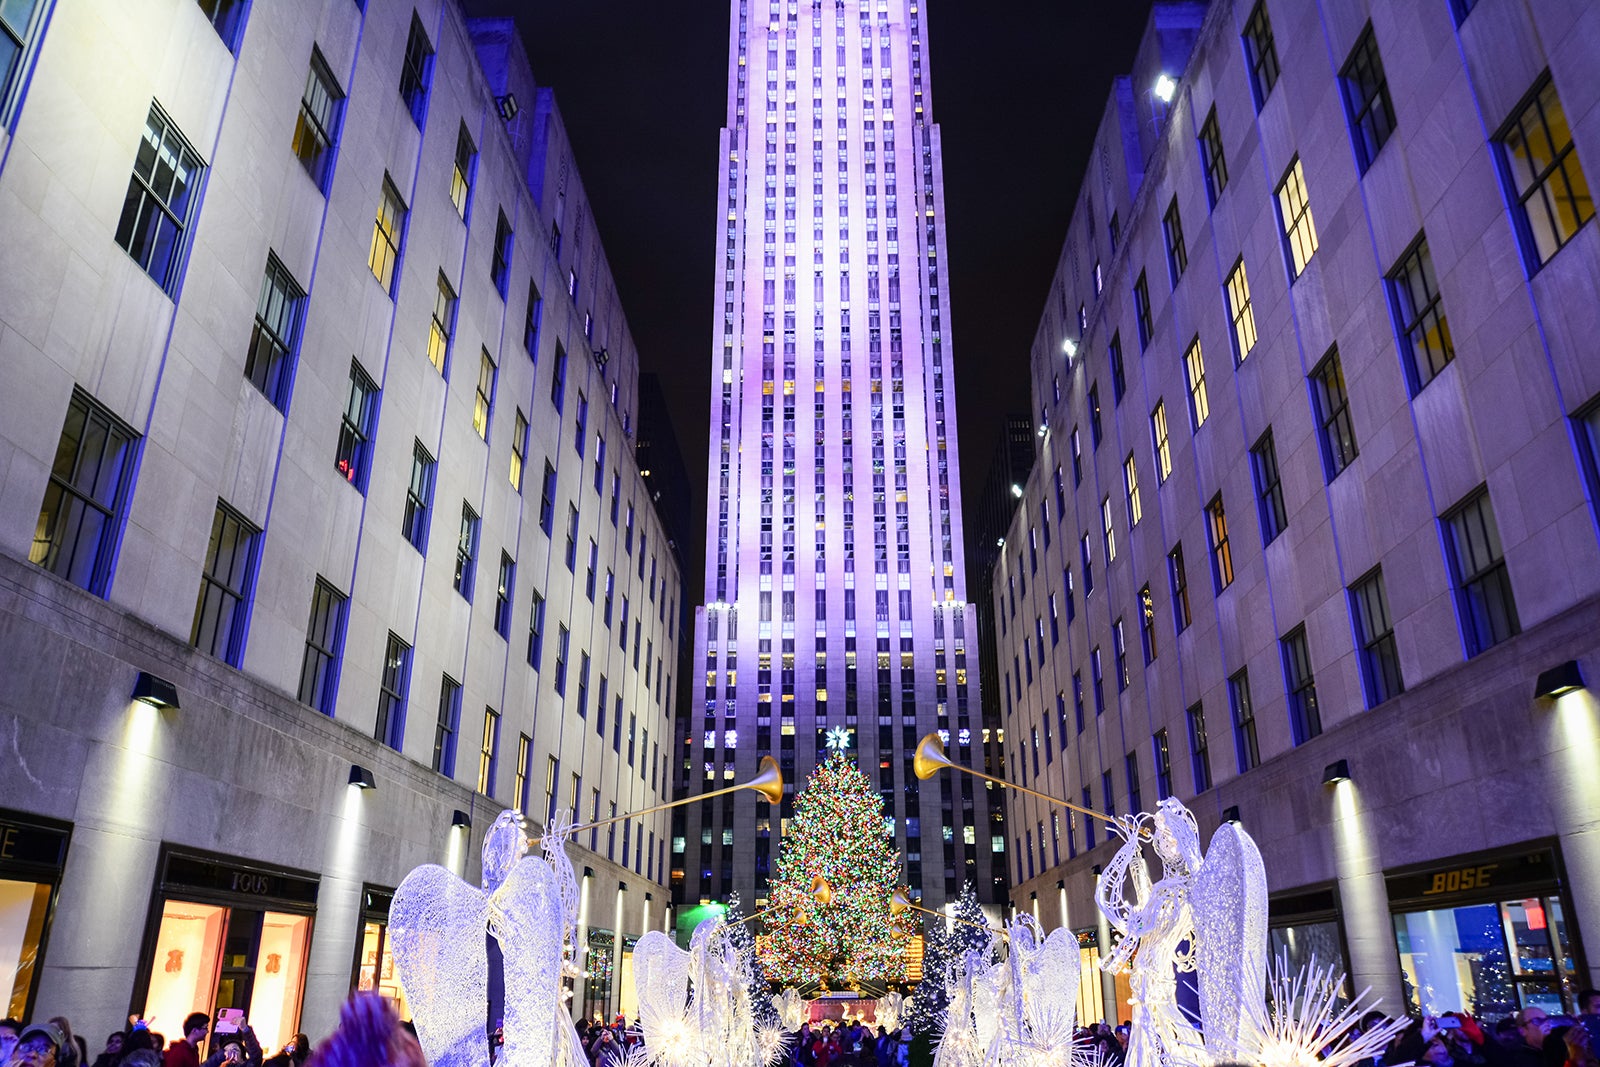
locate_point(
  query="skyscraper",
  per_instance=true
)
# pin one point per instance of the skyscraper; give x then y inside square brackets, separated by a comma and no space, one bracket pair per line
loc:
[834,571]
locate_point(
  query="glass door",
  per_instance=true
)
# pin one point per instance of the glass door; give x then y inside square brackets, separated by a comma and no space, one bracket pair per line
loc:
[183,971]
[376,971]
[23,907]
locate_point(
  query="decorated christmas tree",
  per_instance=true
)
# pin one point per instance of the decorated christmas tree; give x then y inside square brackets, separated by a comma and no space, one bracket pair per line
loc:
[744,943]
[944,953]
[838,831]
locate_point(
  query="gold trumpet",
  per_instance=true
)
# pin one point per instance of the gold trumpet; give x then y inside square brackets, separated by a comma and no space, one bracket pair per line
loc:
[900,902]
[821,892]
[768,782]
[930,759]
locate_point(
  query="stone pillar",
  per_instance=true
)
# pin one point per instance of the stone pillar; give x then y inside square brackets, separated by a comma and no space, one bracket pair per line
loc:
[1364,899]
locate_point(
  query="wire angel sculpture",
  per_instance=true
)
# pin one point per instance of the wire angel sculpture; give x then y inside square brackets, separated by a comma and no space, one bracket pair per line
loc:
[694,1006]
[1038,1006]
[888,1010]
[972,986]
[790,1007]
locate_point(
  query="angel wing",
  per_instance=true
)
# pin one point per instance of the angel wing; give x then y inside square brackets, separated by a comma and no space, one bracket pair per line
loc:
[437,926]
[661,987]
[529,923]
[1051,981]
[1229,902]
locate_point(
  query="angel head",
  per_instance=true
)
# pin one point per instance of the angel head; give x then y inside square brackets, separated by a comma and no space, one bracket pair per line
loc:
[1176,836]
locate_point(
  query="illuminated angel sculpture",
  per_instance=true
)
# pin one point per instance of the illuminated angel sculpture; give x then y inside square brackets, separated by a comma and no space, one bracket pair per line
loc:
[694,1006]
[790,1007]
[1038,1006]
[1206,914]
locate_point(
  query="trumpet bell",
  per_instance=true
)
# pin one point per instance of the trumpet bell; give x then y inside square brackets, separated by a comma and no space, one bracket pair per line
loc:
[821,891]
[930,758]
[768,781]
[899,902]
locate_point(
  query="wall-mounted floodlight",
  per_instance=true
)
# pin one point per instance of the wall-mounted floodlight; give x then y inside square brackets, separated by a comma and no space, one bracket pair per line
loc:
[1336,772]
[1164,88]
[1230,813]
[157,692]
[1016,490]
[362,778]
[1069,346]
[1557,681]
[507,106]
[461,819]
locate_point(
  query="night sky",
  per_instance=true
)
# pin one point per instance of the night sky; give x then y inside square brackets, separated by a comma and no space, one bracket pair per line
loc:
[1017,90]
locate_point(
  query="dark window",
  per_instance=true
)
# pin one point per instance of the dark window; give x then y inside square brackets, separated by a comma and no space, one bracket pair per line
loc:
[1163,757]
[589,575]
[572,538]
[416,71]
[1199,752]
[536,631]
[1147,624]
[447,726]
[1477,563]
[1097,679]
[1333,415]
[356,428]
[519,449]
[1419,316]
[1461,9]
[1130,765]
[530,324]
[84,501]
[1115,226]
[1305,720]
[270,361]
[1269,488]
[1119,645]
[1587,431]
[316,131]
[558,378]
[580,426]
[1212,158]
[1094,415]
[465,169]
[504,590]
[1077,459]
[227,16]
[563,646]
[1179,578]
[500,264]
[466,551]
[390,727]
[1366,99]
[222,608]
[319,666]
[1118,380]
[1244,721]
[1380,661]
[1545,175]
[388,234]
[1177,254]
[547,499]
[155,213]
[1261,54]
[1141,311]
[1221,553]
[419,497]
[1077,698]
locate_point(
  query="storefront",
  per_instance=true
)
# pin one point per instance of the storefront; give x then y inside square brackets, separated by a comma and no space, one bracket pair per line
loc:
[374,963]
[32,852]
[1489,933]
[1303,926]
[1091,989]
[226,933]
[598,964]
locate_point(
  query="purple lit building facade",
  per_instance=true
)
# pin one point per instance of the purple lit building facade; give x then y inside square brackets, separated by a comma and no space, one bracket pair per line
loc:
[835,590]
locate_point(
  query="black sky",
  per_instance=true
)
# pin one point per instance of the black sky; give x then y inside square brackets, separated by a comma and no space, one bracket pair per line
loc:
[1018,89]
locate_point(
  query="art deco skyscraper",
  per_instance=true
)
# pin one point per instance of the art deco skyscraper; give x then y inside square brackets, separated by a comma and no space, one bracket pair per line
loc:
[836,605]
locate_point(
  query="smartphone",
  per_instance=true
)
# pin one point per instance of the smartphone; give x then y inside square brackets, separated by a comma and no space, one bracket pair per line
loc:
[1449,1022]
[228,1020]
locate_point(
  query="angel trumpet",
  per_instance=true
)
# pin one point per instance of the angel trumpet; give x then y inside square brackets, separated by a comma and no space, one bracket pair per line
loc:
[821,892]
[899,903]
[768,782]
[930,759]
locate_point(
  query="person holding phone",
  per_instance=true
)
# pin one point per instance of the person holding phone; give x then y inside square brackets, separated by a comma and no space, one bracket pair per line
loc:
[237,1049]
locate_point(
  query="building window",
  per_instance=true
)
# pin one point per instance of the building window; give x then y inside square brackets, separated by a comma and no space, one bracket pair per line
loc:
[16,24]
[1239,310]
[503,593]
[1194,370]
[530,322]
[416,71]
[1294,214]
[447,726]
[1419,316]
[462,174]
[536,631]
[519,783]
[580,428]
[1141,311]
[1366,99]
[466,551]
[1094,414]
[319,666]
[1163,446]
[222,609]
[500,264]
[1177,254]
[1119,383]
[547,499]
[558,378]
[1261,53]
[388,231]
[1587,431]
[269,363]
[357,426]
[1477,563]
[589,575]
[316,131]
[1163,757]
[1212,157]
[484,401]
[1119,645]
[1077,459]
[489,755]
[155,213]
[1221,554]
[1147,624]
[1380,661]
[84,501]
[583,684]
[1178,576]
[1269,488]
[1545,176]
[563,644]
[444,322]
[1130,764]
[519,449]
[1244,722]
[1097,679]
[1130,487]
[1110,533]
[1332,406]
[1199,751]
[419,497]
[1305,721]
[226,17]
[572,538]
[390,727]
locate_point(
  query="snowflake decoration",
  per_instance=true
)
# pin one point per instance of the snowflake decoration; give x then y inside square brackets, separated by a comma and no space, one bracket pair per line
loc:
[838,738]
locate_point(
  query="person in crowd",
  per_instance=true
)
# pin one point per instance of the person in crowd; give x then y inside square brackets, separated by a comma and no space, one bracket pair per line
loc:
[47,1044]
[369,1034]
[111,1055]
[1583,1040]
[607,1050]
[141,1057]
[186,1053]
[1589,1002]
[238,1049]
[10,1030]
[293,1054]
[1527,1048]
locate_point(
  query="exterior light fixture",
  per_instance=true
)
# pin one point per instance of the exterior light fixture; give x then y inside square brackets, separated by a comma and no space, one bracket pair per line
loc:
[1061,883]
[1016,490]
[461,819]
[1558,680]
[1069,346]
[507,106]
[1230,813]
[588,872]
[1000,542]
[1336,772]
[1164,88]
[362,778]
[158,692]
[602,356]
[622,887]
[1043,430]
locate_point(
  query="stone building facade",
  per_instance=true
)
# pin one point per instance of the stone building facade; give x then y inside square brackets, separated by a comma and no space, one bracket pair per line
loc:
[1314,511]
[316,472]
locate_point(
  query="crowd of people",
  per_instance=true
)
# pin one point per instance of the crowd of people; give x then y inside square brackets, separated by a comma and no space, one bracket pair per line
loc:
[371,1034]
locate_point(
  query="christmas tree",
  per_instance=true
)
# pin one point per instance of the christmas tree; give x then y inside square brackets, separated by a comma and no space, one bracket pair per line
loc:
[838,831]
[744,943]
[944,954]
